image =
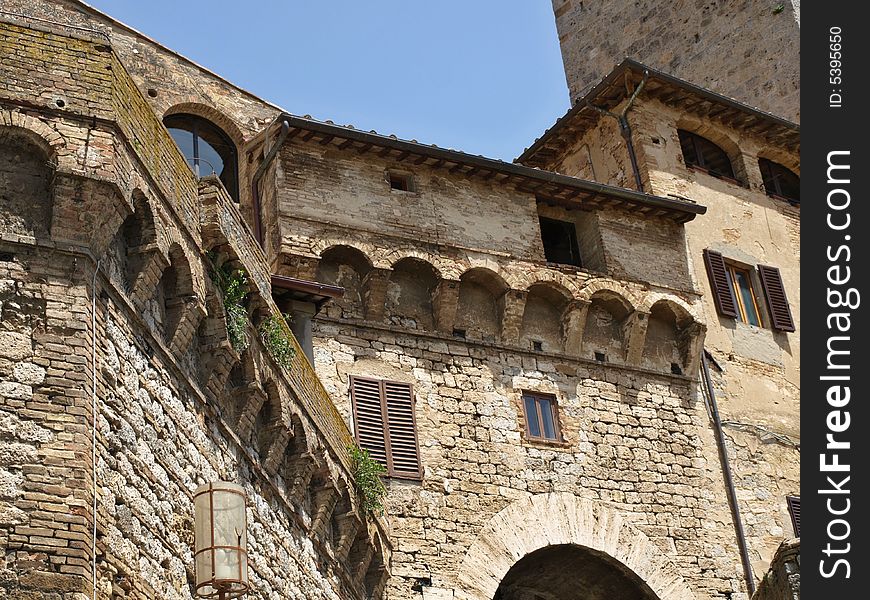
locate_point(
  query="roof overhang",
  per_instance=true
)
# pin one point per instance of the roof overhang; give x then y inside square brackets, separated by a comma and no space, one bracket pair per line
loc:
[569,191]
[682,95]
[303,290]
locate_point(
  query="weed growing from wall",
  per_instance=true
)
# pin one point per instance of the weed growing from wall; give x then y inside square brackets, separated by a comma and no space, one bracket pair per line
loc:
[367,478]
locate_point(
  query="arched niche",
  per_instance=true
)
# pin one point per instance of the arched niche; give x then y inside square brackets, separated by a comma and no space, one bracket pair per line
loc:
[345,267]
[480,308]
[409,294]
[131,245]
[268,421]
[174,290]
[26,173]
[668,338]
[604,333]
[543,318]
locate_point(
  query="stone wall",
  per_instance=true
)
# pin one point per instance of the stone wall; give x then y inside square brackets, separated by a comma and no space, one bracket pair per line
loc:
[746,50]
[783,580]
[176,404]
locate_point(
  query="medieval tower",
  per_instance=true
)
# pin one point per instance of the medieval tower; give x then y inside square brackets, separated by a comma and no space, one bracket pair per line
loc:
[591,393]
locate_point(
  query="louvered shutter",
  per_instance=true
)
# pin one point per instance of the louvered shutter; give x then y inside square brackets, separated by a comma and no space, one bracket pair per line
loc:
[794,509]
[723,294]
[405,455]
[368,410]
[777,302]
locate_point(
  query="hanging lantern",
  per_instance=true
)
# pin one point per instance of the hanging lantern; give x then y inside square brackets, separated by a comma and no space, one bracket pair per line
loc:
[221,540]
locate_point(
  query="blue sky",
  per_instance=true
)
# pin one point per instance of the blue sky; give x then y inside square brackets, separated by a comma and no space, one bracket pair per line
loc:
[483,76]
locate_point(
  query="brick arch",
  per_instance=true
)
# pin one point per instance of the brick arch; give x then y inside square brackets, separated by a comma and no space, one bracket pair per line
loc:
[543,520]
[718,136]
[788,160]
[372,256]
[678,305]
[394,256]
[600,286]
[38,131]
[215,116]
[565,285]
[512,277]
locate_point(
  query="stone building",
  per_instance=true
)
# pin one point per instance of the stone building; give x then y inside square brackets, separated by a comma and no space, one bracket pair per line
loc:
[518,343]
[746,49]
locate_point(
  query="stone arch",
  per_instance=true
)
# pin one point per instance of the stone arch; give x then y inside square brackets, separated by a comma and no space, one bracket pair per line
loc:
[134,242]
[670,337]
[480,308]
[38,131]
[543,316]
[409,293]
[786,159]
[543,520]
[348,267]
[607,321]
[26,174]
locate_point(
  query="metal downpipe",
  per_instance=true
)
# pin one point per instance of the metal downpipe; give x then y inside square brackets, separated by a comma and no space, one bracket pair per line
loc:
[712,406]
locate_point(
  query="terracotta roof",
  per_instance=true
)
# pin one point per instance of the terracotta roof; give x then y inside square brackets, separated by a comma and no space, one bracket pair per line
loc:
[547,185]
[670,90]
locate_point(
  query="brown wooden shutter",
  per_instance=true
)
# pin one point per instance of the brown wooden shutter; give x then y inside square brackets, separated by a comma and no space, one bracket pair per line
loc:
[368,413]
[723,294]
[403,429]
[777,303]
[794,509]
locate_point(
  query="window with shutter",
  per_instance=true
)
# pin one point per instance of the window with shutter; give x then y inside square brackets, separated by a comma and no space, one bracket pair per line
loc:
[386,425]
[720,283]
[794,509]
[777,302]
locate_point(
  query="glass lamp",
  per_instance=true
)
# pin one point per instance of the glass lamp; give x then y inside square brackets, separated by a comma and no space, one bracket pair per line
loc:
[221,540]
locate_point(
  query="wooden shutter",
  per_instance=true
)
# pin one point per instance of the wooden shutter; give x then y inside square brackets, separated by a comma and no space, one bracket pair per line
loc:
[403,429]
[794,509]
[386,425]
[777,302]
[723,294]
[368,413]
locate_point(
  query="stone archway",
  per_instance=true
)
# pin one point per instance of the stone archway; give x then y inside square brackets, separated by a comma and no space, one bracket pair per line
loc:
[567,571]
[545,521]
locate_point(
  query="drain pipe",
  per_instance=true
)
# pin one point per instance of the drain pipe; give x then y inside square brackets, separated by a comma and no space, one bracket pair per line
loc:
[94,423]
[726,472]
[625,128]
[258,174]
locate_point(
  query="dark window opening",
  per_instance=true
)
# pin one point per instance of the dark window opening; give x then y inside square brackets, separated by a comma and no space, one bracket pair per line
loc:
[600,357]
[703,154]
[537,346]
[459,333]
[676,369]
[401,182]
[208,150]
[779,181]
[541,414]
[560,242]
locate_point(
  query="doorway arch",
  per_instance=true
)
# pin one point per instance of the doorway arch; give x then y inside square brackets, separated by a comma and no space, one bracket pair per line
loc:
[544,521]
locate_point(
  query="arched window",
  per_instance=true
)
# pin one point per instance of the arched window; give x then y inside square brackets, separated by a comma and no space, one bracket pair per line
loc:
[207,149]
[779,180]
[703,154]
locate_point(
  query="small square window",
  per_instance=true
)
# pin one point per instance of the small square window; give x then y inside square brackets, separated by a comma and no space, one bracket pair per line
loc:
[401,181]
[560,242]
[741,283]
[542,421]
[537,346]
[600,357]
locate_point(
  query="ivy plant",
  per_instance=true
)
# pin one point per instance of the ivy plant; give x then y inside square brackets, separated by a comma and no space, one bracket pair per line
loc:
[367,474]
[276,337]
[233,285]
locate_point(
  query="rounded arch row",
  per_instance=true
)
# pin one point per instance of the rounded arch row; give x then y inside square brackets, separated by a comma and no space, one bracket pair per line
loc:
[482,299]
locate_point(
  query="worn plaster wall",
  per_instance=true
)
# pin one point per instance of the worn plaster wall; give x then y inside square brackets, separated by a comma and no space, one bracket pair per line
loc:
[756,369]
[748,50]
